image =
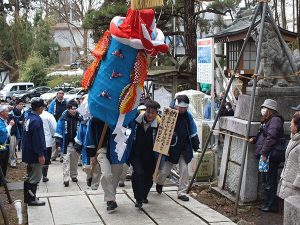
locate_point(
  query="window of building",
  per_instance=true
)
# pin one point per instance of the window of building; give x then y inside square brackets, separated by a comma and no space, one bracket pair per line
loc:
[233,52]
[249,56]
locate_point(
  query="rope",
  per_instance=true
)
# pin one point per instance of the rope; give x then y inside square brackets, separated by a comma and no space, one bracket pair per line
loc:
[236,75]
[231,135]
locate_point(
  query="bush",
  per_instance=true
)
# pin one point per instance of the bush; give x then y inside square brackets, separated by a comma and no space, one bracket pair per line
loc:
[33,70]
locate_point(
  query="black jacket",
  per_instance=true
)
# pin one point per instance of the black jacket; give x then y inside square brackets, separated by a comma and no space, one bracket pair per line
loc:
[142,145]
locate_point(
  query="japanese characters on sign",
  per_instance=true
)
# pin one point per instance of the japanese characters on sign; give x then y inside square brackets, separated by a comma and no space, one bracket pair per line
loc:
[205,60]
[165,131]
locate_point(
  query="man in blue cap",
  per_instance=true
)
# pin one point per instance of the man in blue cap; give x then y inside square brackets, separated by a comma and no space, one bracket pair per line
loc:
[33,150]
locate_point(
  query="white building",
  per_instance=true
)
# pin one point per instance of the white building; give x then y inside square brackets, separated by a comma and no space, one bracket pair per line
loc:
[65,39]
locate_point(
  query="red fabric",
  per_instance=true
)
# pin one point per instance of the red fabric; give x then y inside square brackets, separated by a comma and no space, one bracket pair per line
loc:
[132,24]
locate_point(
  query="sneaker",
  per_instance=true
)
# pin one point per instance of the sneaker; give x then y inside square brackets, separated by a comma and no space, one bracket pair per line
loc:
[269,209]
[45,179]
[66,183]
[61,160]
[183,198]
[74,179]
[80,164]
[138,204]
[111,205]
[159,188]
[121,185]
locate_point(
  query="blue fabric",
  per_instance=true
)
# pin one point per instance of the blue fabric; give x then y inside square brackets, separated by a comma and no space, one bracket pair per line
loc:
[263,166]
[80,140]
[3,134]
[89,141]
[207,110]
[101,107]
[193,126]
[33,140]
[60,133]
[51,106]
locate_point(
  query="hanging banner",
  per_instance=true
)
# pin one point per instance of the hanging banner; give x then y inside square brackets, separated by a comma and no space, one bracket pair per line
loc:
[205,60]
[165,131]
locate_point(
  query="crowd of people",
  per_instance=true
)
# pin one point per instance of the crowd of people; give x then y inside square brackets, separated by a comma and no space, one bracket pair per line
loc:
[46,131]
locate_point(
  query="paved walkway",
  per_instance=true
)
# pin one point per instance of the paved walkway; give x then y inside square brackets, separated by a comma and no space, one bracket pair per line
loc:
[78,204]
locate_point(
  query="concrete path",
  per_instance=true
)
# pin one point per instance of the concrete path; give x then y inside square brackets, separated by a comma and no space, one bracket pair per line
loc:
[77,204]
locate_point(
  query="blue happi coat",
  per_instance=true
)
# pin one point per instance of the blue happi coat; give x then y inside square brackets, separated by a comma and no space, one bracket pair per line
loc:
[33,140]
[61,134]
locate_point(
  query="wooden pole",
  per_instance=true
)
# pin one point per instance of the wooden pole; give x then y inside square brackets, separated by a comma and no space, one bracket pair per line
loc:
[157,168]
[103,133]
[245,142]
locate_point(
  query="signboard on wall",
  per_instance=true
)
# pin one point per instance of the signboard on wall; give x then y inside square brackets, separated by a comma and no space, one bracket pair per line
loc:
[205,60]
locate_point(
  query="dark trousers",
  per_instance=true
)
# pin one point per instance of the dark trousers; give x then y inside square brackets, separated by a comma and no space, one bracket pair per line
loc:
[4,155]
[48,155]
[141,178]
[269,186]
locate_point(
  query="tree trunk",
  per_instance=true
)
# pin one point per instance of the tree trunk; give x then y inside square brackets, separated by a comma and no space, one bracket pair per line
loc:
[298,21]
[17,38]
[190,28]
[84,45]
[276,11]
[294,16]
[283,17]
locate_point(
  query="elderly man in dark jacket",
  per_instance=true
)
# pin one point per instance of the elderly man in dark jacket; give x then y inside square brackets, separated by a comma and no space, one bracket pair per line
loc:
[181,151]
[270,134]
[143,158]
[33,150]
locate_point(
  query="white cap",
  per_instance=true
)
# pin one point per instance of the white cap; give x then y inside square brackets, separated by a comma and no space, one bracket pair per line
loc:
[181,104]
[141,107]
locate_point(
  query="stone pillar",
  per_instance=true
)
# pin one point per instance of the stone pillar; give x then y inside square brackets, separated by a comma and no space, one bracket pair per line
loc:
[237,126]
[292,210]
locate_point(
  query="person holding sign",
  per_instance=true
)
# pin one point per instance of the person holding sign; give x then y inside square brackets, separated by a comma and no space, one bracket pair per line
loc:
[142,157]
[184,141]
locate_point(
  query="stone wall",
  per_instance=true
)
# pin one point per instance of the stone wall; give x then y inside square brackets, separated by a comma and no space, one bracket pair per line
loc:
[292,210]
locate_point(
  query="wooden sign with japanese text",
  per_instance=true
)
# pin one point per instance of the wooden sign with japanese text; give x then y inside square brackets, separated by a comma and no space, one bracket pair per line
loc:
[165,131]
